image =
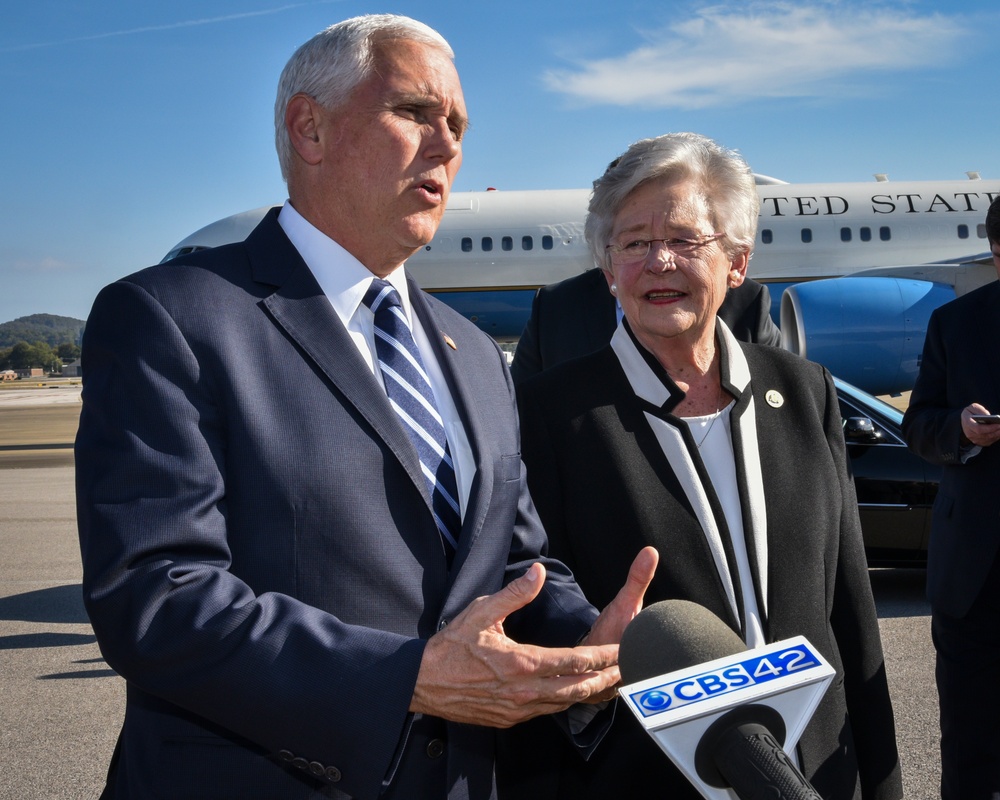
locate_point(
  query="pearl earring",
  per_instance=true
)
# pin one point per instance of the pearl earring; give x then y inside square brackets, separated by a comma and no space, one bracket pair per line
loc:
[614,288]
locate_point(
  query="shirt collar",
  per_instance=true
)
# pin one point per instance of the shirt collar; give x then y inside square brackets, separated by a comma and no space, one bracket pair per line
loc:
[650,381]
[343,279]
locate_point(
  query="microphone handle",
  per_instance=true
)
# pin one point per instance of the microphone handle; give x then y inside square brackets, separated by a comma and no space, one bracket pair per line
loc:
[757,767]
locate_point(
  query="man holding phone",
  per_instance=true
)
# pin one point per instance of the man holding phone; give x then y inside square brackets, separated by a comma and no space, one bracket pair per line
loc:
[949,422]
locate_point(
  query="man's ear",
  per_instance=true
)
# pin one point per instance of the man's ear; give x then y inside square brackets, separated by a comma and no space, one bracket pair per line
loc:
[303,120]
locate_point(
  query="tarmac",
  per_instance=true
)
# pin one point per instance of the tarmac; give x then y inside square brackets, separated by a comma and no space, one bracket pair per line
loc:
[62,706]
[38,423]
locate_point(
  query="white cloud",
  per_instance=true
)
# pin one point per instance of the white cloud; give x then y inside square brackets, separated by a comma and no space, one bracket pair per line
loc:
[723,55]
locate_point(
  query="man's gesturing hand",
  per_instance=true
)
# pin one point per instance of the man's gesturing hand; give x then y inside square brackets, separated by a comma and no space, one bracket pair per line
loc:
[472,672]
[621,611]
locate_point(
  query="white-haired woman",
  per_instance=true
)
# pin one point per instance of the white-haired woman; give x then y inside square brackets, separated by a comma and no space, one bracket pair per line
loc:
[727,457]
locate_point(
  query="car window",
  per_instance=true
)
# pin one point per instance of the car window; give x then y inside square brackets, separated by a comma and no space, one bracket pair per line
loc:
[861,399]
[887,434]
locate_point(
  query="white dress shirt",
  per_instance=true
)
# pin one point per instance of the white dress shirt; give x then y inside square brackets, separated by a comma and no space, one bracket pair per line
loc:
[345,280]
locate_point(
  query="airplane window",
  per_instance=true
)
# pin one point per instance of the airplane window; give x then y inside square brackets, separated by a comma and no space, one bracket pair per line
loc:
[526,243]
[546,242]
[487,244]
[807,235]
[865,233]
[845,234]
[981,230]
[466,244]
[766,236]
[885,233]
[506,243]
[963,231]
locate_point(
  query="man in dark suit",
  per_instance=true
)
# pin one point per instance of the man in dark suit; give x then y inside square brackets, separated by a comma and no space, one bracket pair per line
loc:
[265,558]
[578,315]
[959,380]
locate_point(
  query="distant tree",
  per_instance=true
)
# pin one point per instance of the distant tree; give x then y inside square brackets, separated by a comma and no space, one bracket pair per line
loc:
[48,359]
[21,356]
[68,351]
[39,354]
[5,358]
[48,328]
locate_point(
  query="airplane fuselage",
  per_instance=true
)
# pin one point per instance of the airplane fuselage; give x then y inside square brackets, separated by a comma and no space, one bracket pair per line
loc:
[917,239]
[527,239]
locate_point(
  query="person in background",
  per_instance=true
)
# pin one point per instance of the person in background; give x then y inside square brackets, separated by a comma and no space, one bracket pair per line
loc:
[959,380]
[727,457]
[578,315]
[303,514]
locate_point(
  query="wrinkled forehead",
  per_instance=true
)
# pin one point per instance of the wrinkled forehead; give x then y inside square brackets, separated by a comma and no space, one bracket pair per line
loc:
[663,204]
[424,72]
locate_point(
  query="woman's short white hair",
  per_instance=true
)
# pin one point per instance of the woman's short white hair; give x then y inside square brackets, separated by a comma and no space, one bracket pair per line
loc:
[724,178]
[330,65]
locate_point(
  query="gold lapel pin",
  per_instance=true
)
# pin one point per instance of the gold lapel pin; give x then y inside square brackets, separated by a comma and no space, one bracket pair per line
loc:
[450,342]
[774,398]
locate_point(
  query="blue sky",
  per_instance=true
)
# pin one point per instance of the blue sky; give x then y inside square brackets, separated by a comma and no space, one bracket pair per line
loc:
[128,126]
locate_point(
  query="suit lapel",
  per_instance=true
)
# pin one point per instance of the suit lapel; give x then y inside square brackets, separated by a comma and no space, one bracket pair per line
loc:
[686,464]
[675,449]
[300,308]
[448,345]
[749,472]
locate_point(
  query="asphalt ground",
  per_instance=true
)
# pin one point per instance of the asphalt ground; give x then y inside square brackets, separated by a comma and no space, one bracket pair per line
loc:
[61,706]
[38,423]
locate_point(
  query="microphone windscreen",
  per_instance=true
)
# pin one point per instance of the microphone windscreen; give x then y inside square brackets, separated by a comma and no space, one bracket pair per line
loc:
[672,635]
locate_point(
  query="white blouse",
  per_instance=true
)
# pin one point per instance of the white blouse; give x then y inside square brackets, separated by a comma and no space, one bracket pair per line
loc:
[707,450]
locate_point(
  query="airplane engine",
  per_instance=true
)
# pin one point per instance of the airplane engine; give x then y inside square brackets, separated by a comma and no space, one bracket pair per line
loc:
[867,331]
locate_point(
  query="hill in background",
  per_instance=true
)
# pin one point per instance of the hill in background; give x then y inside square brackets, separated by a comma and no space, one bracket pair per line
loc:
[48,328]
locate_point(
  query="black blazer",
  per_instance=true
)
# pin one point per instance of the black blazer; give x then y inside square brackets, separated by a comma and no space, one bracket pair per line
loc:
[605,488]
[260,562]
[578,315]
[960,365]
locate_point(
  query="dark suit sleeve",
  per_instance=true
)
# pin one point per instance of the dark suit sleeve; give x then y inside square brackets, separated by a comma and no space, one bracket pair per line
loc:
[561,615]
[569,319]
[931,427]
[528,354]
[158,533]
[767,332]
[544,475]
[746,311]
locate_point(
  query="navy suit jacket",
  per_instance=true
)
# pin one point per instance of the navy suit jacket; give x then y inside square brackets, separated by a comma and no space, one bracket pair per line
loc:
[260,561]
[578,315]
[960,365]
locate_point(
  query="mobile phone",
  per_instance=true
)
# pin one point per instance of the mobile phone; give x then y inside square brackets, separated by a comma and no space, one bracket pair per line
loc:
[986,419]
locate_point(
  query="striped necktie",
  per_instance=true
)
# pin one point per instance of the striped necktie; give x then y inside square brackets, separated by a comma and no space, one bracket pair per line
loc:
[409,391]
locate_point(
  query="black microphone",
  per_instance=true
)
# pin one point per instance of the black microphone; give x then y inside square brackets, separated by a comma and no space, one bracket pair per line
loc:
[740,750]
